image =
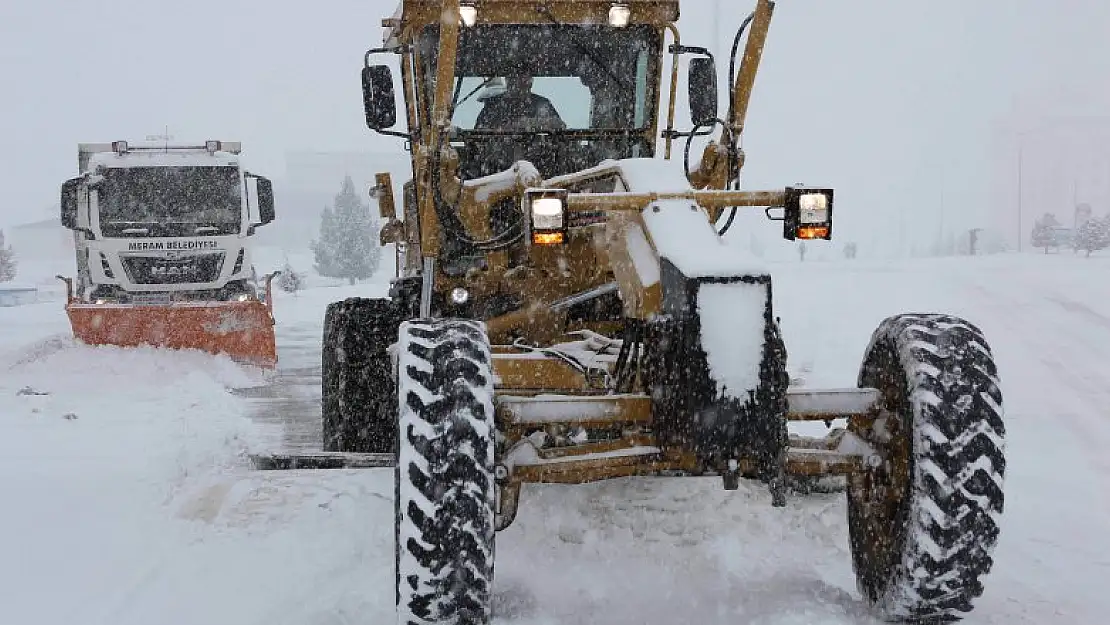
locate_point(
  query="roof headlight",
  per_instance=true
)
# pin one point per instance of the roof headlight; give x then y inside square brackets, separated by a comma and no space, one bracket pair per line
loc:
[620,14]
[469,14]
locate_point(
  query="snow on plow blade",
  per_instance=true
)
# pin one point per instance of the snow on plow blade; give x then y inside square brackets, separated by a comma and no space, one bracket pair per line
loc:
[242,330]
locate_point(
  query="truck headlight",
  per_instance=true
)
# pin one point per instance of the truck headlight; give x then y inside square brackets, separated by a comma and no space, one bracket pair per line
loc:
[547,211]
[808,213]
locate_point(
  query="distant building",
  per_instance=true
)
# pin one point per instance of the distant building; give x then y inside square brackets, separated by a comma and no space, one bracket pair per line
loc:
[324,171]
[40,240]
[1082,215]
[311,181]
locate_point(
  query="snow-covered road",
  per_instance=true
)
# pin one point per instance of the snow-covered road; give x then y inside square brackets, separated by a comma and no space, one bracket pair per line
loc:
[127,499]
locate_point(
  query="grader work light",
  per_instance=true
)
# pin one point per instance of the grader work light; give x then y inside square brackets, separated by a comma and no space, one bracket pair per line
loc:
[808,213]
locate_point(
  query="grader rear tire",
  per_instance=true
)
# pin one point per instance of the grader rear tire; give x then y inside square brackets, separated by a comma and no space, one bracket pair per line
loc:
[445,488]
[359,397]
[923,526]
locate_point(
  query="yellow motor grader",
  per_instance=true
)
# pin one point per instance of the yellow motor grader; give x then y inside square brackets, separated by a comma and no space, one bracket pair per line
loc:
[567,310]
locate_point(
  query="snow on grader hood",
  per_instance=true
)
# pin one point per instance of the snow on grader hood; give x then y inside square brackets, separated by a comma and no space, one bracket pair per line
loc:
[161,242]
[565,312]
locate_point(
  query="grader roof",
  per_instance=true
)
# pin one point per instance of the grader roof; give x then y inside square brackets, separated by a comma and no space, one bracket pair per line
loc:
[420,12]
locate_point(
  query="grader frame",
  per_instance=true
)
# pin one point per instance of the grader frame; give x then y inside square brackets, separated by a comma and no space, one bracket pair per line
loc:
[470,398]
[526,384]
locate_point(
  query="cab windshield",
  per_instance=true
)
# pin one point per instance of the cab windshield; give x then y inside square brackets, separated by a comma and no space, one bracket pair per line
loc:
[578,94]
[190,195]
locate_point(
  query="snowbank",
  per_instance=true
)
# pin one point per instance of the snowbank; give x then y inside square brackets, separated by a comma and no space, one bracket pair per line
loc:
[99,444]
[128,497]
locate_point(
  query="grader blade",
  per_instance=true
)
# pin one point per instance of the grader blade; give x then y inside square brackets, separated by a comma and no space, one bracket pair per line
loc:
[320,460]
[835,455]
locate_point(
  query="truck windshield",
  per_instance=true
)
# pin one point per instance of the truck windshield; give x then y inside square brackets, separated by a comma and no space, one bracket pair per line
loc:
[188,195]
[590,89]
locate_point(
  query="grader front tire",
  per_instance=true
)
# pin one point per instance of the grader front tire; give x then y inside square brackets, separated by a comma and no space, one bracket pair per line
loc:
[923,526]
[445,488]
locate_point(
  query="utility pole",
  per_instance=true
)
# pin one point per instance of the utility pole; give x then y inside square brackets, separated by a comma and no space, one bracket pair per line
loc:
[717,44]
[940,240]
[1021,158]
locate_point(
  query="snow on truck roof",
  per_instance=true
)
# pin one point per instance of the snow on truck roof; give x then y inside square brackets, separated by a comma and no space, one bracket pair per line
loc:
[161,158]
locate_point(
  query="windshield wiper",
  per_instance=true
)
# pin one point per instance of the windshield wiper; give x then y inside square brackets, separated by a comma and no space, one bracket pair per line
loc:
[583,49]
[471,94]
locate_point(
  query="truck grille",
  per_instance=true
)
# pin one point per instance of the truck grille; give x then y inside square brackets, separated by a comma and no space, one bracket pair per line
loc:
[193,269]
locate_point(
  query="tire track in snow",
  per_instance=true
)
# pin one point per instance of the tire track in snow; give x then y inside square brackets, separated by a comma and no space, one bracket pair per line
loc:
[1082,309]
[1039,332]
[1064,341]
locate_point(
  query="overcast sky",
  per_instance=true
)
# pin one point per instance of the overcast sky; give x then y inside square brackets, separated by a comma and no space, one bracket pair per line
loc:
[902,105]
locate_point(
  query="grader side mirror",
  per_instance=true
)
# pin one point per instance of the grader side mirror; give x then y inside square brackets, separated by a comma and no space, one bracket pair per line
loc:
[703,91]
[377,97]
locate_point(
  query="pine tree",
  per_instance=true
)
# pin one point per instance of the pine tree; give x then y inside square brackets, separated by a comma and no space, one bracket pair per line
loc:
[323,249]
[348,245]
[289,281]
[7,261]
[1093,235]
[1044,233]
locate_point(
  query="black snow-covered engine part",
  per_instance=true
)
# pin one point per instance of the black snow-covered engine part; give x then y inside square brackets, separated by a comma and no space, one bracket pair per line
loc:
[923,529]
[691,412]
[359,393]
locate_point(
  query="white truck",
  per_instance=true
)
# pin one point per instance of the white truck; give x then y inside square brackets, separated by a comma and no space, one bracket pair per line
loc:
[161,238]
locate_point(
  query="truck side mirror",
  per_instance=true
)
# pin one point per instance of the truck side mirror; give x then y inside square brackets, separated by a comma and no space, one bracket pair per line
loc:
[378,98]
[265,190]
[70,189]
[703,91]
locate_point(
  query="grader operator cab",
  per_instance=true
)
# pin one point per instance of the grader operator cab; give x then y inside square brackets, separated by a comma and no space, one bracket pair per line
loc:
[566,310]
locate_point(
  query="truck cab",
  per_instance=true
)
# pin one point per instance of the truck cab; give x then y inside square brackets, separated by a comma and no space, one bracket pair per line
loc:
[164,223]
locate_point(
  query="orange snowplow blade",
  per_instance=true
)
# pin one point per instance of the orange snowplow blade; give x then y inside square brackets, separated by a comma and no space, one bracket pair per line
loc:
[242,330]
